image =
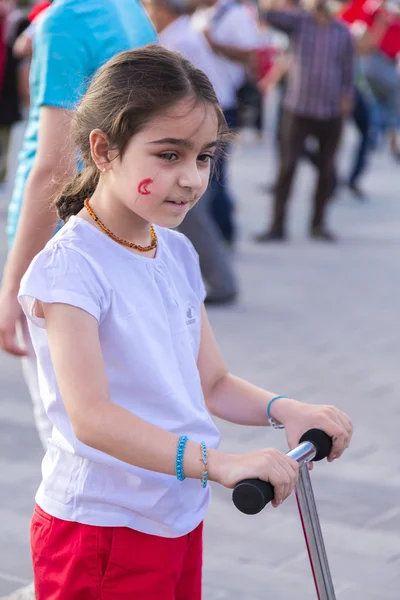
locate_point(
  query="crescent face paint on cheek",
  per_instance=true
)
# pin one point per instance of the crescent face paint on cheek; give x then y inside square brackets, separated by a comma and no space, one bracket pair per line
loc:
[143,185]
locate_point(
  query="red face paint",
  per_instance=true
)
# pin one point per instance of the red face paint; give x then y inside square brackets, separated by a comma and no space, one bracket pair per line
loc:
[142,187]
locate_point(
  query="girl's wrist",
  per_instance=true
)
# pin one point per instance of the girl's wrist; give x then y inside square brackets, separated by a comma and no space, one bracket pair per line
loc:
[216,463]
[283,409]
[193,467]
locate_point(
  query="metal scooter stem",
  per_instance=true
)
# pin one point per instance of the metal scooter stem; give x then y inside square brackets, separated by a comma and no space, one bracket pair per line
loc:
[303,454]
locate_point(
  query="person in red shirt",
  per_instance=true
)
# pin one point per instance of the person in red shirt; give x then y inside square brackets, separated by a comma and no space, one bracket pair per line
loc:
[381,45]
[383,25]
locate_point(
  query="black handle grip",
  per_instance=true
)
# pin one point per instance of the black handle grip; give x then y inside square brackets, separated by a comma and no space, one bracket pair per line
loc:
[321,441]
[250,496]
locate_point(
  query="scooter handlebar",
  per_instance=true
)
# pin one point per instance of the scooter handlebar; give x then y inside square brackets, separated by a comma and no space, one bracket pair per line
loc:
[250,496]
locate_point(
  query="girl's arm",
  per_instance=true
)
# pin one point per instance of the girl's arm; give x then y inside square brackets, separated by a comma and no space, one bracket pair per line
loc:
[81,376]
[78,364]
[233,399]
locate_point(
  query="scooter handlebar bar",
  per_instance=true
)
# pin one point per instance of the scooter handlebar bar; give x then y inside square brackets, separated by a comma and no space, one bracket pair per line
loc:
[250,496]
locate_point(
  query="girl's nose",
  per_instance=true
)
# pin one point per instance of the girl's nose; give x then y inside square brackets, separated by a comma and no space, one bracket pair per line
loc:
[191,179]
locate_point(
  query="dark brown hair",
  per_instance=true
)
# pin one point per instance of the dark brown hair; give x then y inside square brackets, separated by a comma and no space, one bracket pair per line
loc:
[125,94]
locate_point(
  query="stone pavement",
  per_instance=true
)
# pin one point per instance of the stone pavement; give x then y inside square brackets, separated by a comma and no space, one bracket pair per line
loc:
[319,323]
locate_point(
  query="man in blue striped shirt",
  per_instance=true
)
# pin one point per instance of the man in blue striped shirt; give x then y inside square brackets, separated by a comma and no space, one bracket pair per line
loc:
[319,95]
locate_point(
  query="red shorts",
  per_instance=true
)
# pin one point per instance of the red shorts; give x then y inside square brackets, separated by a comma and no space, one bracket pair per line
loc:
[72,561]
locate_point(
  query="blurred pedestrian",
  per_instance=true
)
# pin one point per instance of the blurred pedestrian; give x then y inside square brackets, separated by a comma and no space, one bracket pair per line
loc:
[320,93]
[11,92]
[232,33]
[72,41]
[172,20]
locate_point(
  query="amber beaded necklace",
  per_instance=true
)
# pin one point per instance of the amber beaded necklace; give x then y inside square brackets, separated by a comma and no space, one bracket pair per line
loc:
[154,240]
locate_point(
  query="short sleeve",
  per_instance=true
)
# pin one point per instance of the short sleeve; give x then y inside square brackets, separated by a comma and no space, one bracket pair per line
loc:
[62,275]
[61,65]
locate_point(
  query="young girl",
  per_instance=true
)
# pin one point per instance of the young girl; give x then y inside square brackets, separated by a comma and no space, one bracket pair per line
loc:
[129,369]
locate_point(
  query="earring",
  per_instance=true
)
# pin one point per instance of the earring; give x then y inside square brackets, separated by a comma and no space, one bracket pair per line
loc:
[104,170]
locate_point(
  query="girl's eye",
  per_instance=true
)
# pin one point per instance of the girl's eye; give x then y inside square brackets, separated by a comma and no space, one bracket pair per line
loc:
[206,158]
[169,156]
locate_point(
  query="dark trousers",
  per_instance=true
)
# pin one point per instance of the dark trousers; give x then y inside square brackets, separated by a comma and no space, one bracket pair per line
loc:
[294,132]
[250,110]
[362,120]
[221,203]
[361,116]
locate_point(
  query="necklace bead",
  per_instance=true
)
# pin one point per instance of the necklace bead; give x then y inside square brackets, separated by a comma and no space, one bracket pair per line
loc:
[154,240]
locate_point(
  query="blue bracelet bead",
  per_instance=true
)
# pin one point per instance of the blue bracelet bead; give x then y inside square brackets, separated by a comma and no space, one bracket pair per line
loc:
[270,419]
[204,460]
[179,457]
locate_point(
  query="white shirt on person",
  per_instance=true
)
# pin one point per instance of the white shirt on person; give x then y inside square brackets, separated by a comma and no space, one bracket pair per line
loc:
[148,312]
[230,24]
[181,36]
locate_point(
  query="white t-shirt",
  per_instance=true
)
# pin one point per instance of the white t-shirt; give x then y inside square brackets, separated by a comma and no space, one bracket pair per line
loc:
[182,37]
[230,24]
[149,322]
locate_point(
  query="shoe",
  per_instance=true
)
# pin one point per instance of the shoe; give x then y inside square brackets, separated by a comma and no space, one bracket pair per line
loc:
[353,187]
[220,300]
[269,236]
[323,235]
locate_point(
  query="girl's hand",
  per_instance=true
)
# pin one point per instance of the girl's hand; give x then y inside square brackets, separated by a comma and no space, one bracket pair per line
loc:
[298,418]
[267,464]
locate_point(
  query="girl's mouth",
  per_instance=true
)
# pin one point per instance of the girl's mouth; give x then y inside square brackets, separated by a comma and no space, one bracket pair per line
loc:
[178,202]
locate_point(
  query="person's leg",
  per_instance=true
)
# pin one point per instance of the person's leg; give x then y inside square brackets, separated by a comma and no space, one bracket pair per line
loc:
[215,265]
[328,133]
[189,585]
[362,119]
[259,120]
[5,132]
[30,373]
[293,134]
[68,558]
[221,203]
[85,562]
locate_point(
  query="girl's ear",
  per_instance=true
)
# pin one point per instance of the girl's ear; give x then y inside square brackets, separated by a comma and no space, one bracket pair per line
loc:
[100,149]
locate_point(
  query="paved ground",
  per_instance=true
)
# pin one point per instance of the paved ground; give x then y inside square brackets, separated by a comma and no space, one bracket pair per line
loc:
[316,322]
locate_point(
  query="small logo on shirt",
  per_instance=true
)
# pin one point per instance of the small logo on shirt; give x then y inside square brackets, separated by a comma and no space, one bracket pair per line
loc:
[191,317]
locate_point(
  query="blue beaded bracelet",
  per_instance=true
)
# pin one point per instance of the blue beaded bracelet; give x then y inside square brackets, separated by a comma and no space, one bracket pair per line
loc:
[271,421]
[179,457]
[204,460]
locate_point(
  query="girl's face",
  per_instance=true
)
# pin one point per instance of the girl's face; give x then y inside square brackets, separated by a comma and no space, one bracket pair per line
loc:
[166,167]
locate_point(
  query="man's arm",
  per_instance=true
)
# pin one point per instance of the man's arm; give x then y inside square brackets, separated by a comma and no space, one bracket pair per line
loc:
[278,71]
[285,20]
[231,52]
[54,162]
[373,37]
